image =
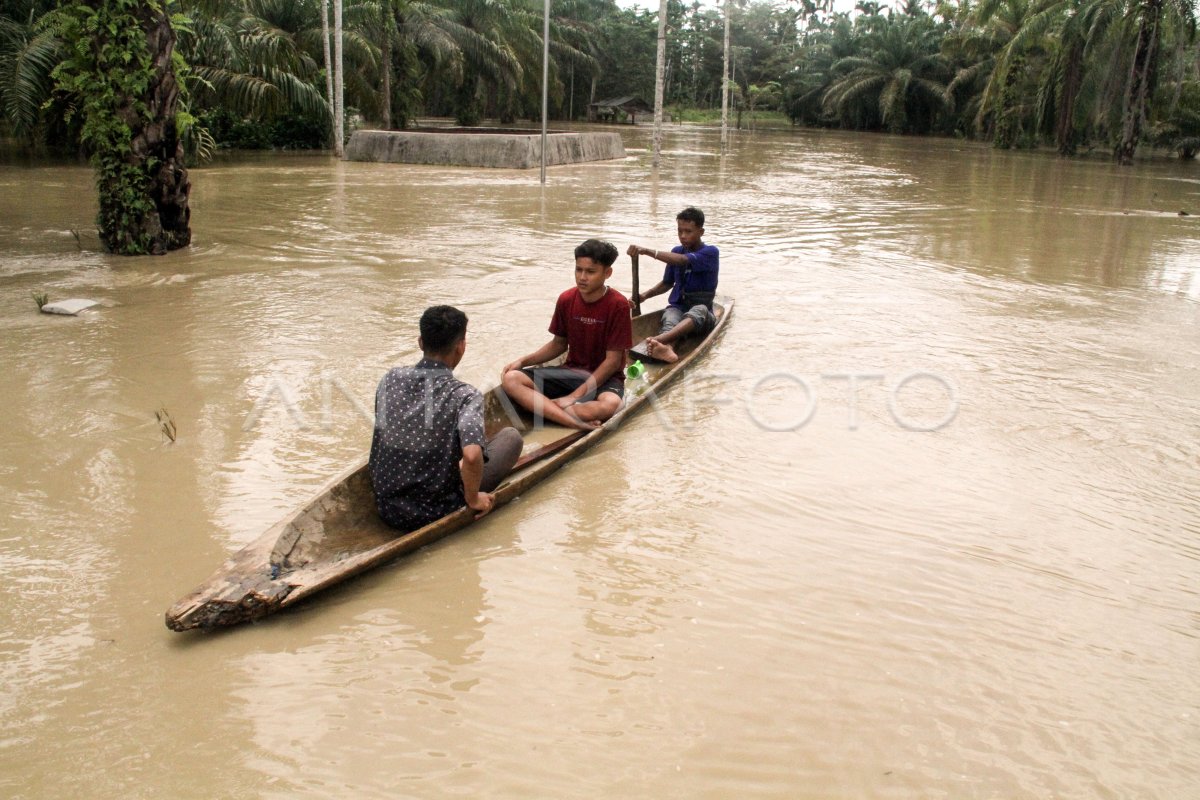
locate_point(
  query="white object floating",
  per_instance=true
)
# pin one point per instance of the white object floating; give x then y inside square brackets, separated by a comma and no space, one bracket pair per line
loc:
[70,307]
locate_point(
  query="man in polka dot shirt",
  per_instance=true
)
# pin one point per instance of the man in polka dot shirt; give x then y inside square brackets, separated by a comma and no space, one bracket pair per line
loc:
[429,454]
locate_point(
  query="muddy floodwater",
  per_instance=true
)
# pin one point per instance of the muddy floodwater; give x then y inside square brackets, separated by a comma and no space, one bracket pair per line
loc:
[924,523]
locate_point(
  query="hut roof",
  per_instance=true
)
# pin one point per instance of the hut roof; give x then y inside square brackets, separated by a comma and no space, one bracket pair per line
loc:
[628,103]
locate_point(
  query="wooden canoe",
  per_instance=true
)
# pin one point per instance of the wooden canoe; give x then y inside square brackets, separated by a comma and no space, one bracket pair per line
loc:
[338,533]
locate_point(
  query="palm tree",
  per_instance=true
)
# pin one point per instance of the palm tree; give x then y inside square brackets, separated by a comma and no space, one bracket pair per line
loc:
[1150,17]
[29,52]
[896,81]
[410,37]
[576,41]
[573,45]
[256,58]
[1115,46]
[503,40]
[768,94]
[429,45]
[1065,76]
[811,73]
[384,29]
[1078,41]
[498,43]
[1178,127]
[1003,36]
[119,73]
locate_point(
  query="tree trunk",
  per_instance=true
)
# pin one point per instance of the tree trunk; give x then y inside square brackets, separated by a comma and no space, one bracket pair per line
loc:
[1142,77]
[1008,121]
[467,102]
[339,106]
[386,77]
[328,57]
[134,228]
[1064,126]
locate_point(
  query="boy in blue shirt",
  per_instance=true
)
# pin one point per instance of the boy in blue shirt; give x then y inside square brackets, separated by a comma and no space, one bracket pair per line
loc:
[691,277]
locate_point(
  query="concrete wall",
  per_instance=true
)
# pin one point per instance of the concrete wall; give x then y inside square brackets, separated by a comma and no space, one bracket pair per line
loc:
[502,150]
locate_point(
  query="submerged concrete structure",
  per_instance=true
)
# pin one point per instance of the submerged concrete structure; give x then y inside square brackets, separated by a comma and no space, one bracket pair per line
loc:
[483,147]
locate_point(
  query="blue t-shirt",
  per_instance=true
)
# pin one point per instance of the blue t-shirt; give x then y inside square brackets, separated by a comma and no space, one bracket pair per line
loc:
[700,274]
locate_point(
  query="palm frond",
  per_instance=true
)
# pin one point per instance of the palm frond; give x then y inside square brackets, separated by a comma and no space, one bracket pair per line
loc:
[27,59]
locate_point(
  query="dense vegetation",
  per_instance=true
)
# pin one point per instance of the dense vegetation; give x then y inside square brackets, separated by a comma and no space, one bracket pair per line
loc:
[1076,74]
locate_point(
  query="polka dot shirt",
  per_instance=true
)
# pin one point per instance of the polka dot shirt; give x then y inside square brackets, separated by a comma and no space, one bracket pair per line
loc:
[424,417]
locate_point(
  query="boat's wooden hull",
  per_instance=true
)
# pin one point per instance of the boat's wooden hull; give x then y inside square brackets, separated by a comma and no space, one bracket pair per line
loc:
[338,533]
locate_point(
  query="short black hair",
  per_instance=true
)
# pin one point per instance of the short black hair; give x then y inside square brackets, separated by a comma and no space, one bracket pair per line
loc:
[597,250]
[692,214]
[441,328]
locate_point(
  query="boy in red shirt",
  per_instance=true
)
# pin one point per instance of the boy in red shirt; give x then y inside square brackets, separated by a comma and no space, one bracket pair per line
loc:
[591,324]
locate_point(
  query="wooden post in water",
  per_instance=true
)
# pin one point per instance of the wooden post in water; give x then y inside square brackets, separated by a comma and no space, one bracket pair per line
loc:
[545,80]
[725,85]
[637,304]
[659,69]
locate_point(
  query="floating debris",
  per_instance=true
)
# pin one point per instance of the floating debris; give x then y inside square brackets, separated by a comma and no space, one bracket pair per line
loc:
[165,423]
[69,307]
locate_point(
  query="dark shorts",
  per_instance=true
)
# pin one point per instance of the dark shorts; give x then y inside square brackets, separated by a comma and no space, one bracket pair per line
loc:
[558,381]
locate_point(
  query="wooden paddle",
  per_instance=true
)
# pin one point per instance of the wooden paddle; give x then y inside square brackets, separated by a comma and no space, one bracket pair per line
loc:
[637,305]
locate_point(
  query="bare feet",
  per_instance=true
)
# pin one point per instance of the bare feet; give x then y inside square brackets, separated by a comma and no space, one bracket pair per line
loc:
[581,424]
[552,411]
[576,420]
[663,352]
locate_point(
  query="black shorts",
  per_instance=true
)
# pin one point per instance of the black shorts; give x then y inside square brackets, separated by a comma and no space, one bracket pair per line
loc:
[558,381]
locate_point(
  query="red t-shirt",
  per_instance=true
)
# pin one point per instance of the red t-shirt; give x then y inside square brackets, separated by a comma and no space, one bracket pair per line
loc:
[592,329]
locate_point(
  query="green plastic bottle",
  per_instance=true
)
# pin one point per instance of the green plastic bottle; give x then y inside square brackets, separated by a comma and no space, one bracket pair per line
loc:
[635,373]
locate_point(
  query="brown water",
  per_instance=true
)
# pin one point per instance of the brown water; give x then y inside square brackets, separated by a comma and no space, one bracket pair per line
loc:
[970,571]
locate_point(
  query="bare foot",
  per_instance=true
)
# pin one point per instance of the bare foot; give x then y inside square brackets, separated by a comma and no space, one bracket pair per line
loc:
[582,424]
[576,421]
[553,412]
[663,352]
